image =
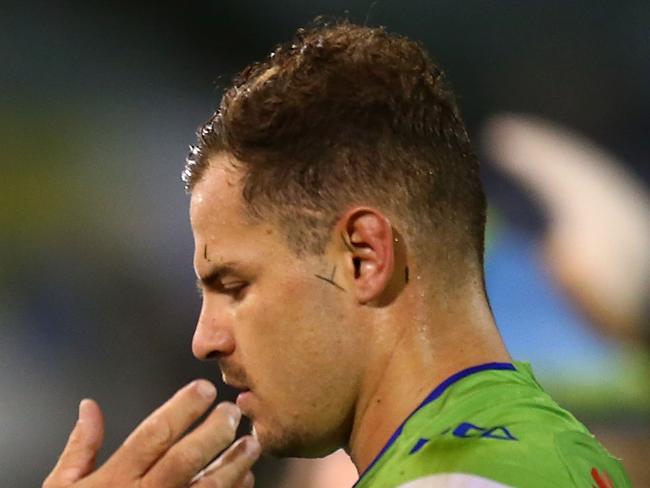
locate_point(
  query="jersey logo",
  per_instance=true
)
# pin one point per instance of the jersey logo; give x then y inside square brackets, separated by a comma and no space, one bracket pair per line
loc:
[467,430]
[601,479]
[419,445]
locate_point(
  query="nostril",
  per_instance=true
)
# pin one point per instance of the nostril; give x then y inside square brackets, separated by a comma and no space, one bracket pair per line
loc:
[212,355]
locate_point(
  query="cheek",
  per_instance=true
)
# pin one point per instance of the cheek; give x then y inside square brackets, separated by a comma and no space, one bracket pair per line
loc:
[292,336]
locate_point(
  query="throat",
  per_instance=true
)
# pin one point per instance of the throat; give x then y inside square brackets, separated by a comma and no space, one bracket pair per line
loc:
[390,398]
[408,376]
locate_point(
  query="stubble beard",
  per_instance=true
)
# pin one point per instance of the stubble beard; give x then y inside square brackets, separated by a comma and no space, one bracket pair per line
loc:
[282,442]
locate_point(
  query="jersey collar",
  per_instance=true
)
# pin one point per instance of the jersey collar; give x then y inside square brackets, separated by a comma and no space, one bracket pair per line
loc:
[437,392]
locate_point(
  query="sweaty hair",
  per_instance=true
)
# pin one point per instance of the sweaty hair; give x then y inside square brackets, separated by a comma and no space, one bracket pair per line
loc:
[347,115]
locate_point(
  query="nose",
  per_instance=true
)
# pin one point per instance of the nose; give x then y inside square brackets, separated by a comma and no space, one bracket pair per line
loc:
[212,338]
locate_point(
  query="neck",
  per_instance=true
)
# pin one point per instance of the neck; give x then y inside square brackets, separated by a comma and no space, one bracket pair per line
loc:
[411,360]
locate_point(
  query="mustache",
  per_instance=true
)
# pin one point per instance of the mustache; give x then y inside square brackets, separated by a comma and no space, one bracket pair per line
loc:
[234,375]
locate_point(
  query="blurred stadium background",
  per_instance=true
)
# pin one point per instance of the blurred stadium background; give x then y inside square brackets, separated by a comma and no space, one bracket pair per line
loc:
[98,102]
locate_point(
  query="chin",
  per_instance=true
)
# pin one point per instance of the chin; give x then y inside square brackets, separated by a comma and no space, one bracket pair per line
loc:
[282,444]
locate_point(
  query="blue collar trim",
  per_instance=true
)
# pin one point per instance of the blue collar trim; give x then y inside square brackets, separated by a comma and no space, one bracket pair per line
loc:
[437,392]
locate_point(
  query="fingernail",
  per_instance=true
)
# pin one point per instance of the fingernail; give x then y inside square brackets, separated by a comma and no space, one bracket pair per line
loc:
[233,413]
[252,447]
[206,389]
[83,410]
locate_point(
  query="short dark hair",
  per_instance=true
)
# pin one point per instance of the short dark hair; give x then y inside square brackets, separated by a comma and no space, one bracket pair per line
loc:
[342,115]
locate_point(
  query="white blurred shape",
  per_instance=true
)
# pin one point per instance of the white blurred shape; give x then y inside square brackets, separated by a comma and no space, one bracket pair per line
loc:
[598,243]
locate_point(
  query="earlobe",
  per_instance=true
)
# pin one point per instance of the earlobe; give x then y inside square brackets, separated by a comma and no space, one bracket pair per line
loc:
[370,237]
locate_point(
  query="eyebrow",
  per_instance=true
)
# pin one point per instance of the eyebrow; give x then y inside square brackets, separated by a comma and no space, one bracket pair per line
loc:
[214,275]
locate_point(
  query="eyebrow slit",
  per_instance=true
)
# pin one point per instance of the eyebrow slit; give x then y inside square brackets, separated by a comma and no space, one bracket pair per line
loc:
[330,280]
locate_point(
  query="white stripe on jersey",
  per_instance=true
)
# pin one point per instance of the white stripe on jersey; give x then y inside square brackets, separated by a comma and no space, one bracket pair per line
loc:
[452,480]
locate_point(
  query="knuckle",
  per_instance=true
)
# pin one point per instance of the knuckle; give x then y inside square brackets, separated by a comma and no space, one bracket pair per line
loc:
[190,456]
[158,433]
[113,478]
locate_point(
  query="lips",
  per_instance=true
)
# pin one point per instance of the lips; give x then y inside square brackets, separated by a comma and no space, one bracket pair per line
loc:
[234,377]
[245,395]
[236,386]
[243,401]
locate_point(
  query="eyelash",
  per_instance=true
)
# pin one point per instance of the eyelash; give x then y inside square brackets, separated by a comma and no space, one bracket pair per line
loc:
[235,292]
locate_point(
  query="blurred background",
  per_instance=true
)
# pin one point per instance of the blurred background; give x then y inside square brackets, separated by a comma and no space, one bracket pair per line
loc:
[99,100]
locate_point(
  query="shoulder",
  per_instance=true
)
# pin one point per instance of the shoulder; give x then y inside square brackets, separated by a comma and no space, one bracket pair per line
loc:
[497,456]
[484,453]
[504,430]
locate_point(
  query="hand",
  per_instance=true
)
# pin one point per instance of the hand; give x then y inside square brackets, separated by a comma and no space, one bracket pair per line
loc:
[156,454]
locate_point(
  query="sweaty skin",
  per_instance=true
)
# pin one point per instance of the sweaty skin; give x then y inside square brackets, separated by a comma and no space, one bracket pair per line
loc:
[329,349]
[276,328]
[327,366]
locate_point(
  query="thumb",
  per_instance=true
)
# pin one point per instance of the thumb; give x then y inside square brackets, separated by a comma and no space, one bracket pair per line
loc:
[78,457]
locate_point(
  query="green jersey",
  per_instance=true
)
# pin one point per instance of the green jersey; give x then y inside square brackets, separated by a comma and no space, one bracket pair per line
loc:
[492,426]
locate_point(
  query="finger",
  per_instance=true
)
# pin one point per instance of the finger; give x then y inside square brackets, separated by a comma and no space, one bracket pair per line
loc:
[79,455]
[232,465]
[248,481]
[195,450]
[158,432]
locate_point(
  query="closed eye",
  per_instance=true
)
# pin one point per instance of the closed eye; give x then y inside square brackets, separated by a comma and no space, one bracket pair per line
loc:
[224,280]
[234,290]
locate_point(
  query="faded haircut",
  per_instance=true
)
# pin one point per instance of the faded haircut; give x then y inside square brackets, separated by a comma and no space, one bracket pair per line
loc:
[345,115]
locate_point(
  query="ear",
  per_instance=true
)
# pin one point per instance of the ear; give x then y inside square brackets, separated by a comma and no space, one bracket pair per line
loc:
[368,252]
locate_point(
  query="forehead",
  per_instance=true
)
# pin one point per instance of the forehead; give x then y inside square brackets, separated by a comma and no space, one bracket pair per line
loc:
[223,230]
[216,198]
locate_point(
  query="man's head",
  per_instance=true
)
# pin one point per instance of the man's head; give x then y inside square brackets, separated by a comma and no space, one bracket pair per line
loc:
[344,115]
[328,171]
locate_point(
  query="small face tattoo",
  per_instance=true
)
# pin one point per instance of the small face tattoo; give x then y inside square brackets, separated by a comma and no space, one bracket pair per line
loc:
[330,280]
